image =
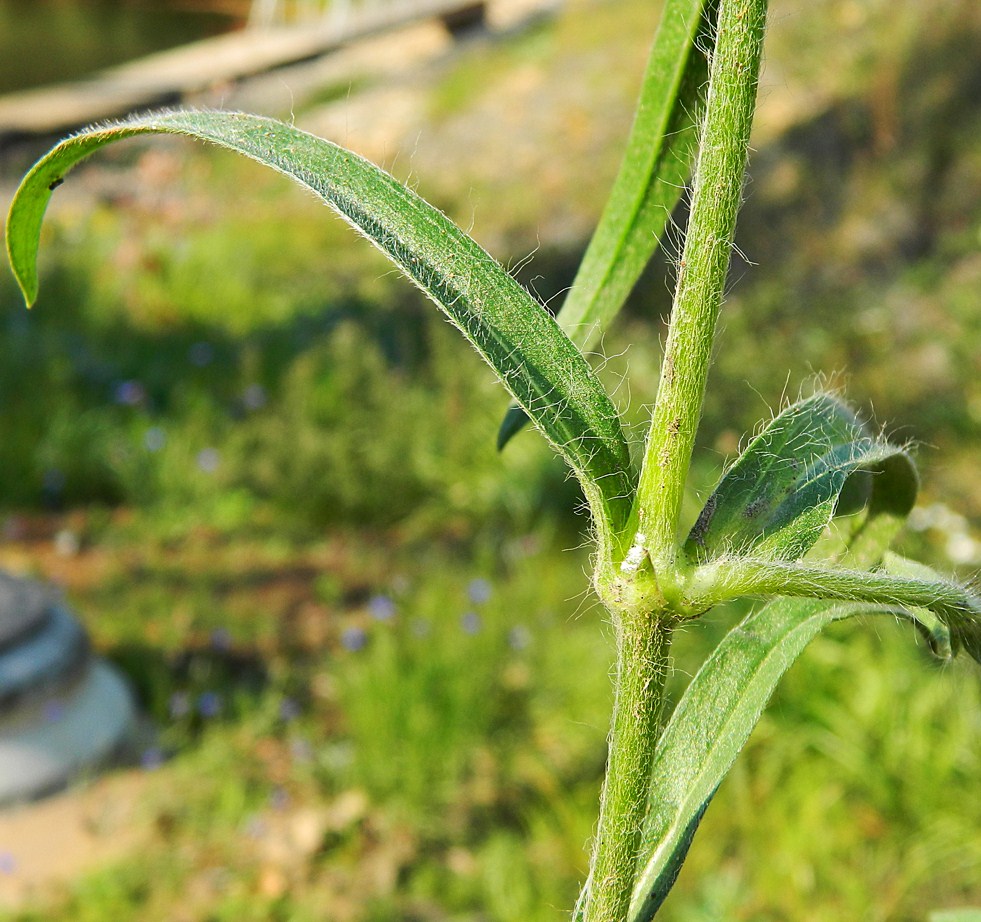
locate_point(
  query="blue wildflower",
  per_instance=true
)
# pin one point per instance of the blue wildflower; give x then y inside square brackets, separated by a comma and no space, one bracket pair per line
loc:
[255,827]
[179,705]
[254,397]
[208,460]
[152,758]
[221,640]
[129,394]
[354,639]
[479,591]
[209,704]
[154,439]
[301,750]
[289,709]
[201,354]
[519,637]
[382,608]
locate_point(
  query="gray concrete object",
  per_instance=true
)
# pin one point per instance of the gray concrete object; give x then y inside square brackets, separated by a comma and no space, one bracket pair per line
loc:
[78,736]
[63,713]
[23,605]
[50,658]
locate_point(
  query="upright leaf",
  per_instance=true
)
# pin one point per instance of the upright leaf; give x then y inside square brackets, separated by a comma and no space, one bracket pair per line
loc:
[657,164]
[537,362]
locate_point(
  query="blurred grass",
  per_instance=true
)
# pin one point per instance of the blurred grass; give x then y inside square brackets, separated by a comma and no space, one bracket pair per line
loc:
[264,471]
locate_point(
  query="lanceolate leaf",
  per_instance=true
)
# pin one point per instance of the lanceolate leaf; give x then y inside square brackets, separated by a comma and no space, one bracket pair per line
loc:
[711,724]
[657,164]
[537,362]
[782,491]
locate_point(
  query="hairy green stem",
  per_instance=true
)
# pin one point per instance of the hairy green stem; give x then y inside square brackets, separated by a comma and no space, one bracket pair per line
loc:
[716,197]
[644,631]
[643,644]
[732,578]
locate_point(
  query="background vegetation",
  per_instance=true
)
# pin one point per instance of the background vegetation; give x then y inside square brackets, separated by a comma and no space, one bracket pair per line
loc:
[264,471]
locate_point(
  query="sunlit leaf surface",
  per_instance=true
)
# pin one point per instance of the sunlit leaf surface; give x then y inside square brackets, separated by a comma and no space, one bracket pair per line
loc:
[537,362]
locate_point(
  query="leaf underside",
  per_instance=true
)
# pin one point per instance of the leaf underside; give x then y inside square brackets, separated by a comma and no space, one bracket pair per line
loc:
[537,362]
[782,491]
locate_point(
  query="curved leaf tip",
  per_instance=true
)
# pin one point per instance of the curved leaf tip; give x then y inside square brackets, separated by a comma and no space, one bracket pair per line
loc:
[538,363]
[23,229]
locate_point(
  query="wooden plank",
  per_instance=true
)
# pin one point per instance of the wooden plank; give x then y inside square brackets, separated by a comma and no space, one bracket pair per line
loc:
[167,77]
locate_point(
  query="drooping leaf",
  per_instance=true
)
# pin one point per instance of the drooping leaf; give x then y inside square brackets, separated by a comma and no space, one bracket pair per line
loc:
[782,491]
[712,723]
[657,164]
[540,366]
[961,624]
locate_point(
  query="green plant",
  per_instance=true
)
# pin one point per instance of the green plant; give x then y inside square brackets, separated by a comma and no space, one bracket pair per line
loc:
[804,516]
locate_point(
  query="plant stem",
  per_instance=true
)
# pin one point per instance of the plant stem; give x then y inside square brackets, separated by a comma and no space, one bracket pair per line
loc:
[733,578]
[643,635]
[643,643]
[702,272]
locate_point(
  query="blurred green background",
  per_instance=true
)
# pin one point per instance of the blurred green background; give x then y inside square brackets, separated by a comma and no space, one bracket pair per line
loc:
[263,469]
